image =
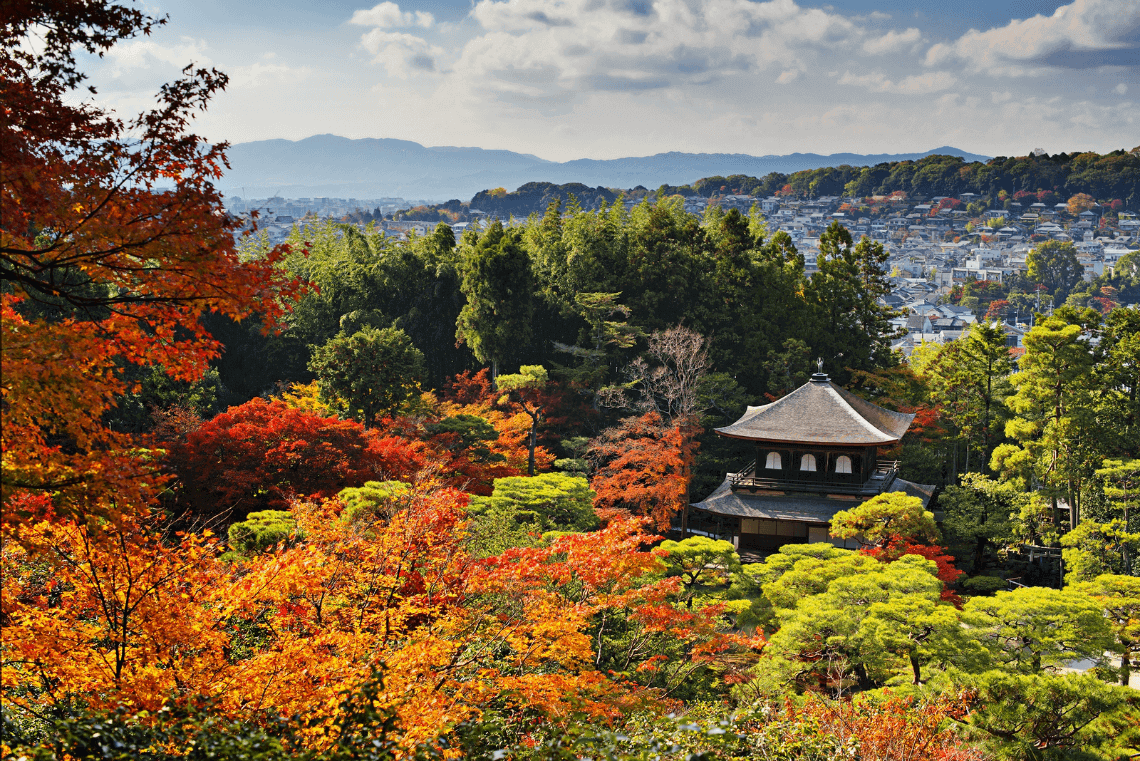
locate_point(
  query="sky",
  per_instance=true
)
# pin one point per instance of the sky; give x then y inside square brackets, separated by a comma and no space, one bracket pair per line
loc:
[567,79]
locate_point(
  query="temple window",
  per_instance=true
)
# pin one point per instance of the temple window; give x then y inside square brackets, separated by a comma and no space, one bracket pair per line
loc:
[843,464]
[774,462]
[807,463]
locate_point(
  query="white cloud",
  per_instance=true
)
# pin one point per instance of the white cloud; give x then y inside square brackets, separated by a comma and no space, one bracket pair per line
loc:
[402,54]
[1120,89]
[146,54]
[258,73]
[893,42]
[916,84]
[558,49]
[1084,34]
[387,15]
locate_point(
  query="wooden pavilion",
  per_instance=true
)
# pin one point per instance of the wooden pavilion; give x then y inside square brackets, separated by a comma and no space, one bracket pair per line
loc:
[816,453]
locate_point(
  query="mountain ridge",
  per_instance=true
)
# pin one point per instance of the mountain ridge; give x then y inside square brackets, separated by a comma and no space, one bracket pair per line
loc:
[330,165]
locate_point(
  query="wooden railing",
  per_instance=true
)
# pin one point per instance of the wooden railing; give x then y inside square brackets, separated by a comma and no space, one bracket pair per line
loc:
[879,480]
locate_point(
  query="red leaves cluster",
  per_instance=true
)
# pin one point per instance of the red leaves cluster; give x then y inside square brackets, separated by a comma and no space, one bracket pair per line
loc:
[262,454]
[896,547]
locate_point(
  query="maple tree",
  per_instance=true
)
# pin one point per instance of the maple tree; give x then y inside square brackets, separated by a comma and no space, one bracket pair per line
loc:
[262,454]
[377,578]
[113,243]
[641,468]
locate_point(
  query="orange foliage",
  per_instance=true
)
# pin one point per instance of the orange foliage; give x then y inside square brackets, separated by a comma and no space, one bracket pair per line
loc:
[469,388]
[643,466]
[102,268]
[128,617]
[121,615]
[894,727]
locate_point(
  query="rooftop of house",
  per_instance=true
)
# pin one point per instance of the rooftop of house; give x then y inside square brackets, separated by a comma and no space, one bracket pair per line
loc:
[819,412]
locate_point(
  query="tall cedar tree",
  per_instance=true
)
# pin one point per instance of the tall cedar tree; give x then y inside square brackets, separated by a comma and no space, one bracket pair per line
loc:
[113,243]
[499,286]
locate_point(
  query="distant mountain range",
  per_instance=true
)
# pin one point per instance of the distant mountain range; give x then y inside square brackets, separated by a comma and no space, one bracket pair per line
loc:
[332,166]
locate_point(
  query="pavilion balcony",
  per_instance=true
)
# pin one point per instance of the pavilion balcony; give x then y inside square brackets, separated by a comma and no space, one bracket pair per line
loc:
[879,480]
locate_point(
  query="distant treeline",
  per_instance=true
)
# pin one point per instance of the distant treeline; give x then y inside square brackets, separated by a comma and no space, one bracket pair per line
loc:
[536,196]
[1105,177]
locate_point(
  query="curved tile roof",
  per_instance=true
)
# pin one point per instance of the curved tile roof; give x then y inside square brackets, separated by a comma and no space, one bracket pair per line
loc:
[819,412]
[811,508]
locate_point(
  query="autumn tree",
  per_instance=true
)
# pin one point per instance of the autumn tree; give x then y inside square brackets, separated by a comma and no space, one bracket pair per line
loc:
[524,390]
[640,467]
[1081,202]
[263,454]
[670,392]
[114,244]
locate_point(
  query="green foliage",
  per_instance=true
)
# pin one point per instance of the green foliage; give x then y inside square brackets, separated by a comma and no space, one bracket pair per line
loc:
[700,562]
[499,286]
[1032,628]
[1119,596]
[371,373]
[263,530]
[1054,265]
[1053,407]
[358,730]
[521,508]
[969,380]
[883,517]
[846,622]
[979,518]
[528,377]
[1093,549]
[474,434]
[374,500]
[1041,716]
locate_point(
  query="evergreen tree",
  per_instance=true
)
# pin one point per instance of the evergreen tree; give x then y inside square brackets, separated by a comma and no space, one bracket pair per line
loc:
[499,286]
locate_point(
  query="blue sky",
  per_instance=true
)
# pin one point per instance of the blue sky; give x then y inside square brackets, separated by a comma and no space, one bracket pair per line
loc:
[567,79]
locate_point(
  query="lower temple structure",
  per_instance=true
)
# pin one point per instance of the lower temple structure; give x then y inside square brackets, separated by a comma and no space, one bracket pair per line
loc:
[817,452]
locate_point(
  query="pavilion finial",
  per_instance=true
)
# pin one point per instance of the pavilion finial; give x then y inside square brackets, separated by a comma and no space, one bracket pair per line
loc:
[819,364]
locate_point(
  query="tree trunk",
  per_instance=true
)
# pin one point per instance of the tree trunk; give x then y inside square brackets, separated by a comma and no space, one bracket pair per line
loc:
[916,668]
[531,444]
[1125,668]
[1124,545]
[863,677]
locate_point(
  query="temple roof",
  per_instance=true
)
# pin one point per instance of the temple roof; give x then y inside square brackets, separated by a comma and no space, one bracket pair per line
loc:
[819,412]
[811,508]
